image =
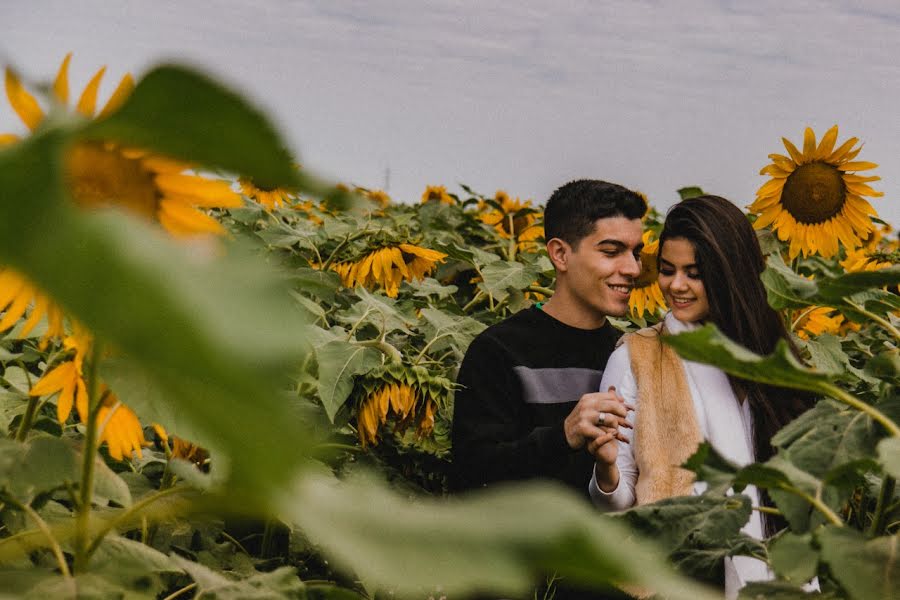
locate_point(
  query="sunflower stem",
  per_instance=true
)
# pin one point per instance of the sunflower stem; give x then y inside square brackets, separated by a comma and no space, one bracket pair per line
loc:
[387,349]
[880,320]
[888,485]
[511,250]
[51,539]
[853,402]
[539,289]
[87,471]
[816,502]
[126,516]
[428,345]
[28,418]
[341,246]
[478,298]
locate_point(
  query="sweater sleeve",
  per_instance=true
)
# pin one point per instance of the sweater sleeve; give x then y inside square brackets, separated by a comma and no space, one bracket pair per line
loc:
[491,441]
[618,373]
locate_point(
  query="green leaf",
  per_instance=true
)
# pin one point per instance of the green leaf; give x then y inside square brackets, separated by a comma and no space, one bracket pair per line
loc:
[108,485]
[43,464]
[17,380]
[889,455]
[432,287]
[184,114]
[211,333]
[787,485]
[697,531]
[322,285]
[793,557]
[712,468]
[865,568]
[118,556]
[457,332]
[380,311]
[709,346]
[493,542]
[339,362]
[781,590]
[282,583]
[828,356]
[501,275]
[825,437]
[690,192]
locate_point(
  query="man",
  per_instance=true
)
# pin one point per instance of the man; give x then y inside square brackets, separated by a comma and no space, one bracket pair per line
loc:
[529,405]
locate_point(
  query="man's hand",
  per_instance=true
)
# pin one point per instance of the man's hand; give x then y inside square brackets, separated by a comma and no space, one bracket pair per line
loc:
[596,420]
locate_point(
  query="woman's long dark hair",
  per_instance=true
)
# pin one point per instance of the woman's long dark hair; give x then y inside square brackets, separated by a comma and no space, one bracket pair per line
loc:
[730,263]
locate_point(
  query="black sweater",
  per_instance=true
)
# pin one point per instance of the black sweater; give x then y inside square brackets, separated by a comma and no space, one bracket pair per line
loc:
[521,378]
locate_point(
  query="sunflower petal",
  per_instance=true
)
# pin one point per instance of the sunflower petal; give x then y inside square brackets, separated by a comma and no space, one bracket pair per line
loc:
[61,83]
[809,143]
[22,102]
[182,220]
[54,380]
[796,156]
[841,153]
[88,100]
[123,90]
[827,144]
[861,165]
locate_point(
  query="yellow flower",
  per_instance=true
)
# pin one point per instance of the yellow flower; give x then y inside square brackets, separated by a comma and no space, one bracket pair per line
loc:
[877,253]
[810,322]
[16,295]
[99,174]
[118,425]
[397,398]
[647,297]
[813,199]
[379,197]
[388,267]
[507,223]
[180,447]
[439,193]
[106,174]
[269,198]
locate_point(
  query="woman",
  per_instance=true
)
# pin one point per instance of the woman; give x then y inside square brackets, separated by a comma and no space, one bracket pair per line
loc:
[709,264]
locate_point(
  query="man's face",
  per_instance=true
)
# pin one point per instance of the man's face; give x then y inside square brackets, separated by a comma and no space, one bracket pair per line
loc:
[603,265]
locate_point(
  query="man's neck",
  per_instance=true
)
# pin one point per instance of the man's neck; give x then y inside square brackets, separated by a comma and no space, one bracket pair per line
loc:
[569,313]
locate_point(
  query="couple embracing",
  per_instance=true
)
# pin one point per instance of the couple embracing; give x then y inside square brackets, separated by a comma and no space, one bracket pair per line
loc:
[553,392]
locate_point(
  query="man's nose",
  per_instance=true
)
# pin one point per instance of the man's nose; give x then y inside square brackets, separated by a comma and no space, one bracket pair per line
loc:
[632,266]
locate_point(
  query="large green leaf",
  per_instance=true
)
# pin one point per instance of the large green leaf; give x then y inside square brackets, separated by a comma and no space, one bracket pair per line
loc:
[43,464]
[708,345]
[185,114]
[339,362]
[496,541]
[697,531]
[787,289]
[865,568]
[457,332]
[282,583]
[212,333]
[793,557]
[500,276]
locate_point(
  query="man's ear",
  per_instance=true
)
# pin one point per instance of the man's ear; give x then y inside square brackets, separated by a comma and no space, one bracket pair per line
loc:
[559,252]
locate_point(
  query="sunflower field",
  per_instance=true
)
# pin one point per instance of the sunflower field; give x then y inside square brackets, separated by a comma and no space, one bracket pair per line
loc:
[225,377]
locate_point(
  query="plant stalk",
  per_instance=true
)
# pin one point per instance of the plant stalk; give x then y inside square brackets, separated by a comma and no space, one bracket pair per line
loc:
[54,543]
[880,320]
[885,494]
[28,418]
[87,471]
[848,399]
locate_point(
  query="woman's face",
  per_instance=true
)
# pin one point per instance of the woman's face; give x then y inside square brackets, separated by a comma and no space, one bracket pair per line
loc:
[679,279]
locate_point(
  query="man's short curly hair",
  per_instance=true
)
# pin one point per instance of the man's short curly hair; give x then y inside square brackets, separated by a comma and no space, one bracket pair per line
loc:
[573,208]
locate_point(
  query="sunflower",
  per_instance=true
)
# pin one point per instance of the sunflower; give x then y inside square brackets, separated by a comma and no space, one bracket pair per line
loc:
[394,397]
[507,220]
[16,295]
[813,199]
[814,321]
[389,266]
[877,253]
[646,296]
[99,174]
[269,198]
[439,193]
[379,197]
[118,425]
[180,447]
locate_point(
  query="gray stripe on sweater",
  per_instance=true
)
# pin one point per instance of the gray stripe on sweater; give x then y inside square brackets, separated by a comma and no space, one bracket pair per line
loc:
[554,386]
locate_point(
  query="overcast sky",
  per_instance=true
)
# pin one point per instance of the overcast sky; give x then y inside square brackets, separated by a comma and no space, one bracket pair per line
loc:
[516,95]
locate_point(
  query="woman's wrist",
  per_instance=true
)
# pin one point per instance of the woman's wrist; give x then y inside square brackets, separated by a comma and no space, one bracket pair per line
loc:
[607,476]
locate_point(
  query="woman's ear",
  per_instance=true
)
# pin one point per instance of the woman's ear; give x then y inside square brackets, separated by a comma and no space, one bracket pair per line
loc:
[559,251]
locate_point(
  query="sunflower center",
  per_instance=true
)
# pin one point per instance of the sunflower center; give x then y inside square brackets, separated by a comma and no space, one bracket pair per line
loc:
[649,273]
[97,175]
[814,193]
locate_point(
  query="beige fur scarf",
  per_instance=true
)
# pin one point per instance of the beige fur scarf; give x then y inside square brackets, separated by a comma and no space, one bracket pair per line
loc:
[666,432]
